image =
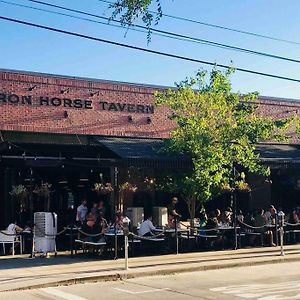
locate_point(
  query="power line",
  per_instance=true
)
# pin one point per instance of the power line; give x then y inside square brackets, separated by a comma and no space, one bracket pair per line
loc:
[145,49]
[215,44]
[220,27]
[99,22]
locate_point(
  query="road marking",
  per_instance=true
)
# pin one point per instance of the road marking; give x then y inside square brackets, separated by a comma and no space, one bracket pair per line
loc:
[141,292]
[275,291]
[61,294]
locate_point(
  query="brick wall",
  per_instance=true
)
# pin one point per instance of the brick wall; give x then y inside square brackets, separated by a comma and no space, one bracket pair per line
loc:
[59,117]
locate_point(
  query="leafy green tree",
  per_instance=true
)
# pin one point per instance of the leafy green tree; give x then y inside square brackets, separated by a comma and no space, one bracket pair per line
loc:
[133,10]
[219,129]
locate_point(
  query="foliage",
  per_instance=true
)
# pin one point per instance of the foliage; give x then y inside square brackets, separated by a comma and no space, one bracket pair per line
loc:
[18,191]
[103,188]
[131,10]
[127,186]
[43,190]
[219,129]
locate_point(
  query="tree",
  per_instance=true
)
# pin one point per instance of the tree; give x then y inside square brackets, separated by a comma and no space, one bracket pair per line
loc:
[220,130]
[132,10]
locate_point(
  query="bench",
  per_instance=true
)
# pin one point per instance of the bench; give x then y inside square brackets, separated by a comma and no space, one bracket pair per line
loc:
[6,238]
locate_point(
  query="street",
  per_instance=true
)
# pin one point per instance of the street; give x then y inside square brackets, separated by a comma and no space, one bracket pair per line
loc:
[266,282]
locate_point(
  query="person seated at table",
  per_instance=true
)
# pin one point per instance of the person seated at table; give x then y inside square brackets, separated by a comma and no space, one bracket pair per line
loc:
[147,228]
[173,215]
[218,215]
[13,228]
[212,223]
[119,220]
[260,221]
[293,219]
[270,215]
[103,225]
[95,210]
[89,228]
[101,207]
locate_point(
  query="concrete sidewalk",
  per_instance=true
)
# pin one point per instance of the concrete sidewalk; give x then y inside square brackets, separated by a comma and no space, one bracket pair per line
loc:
[23,273]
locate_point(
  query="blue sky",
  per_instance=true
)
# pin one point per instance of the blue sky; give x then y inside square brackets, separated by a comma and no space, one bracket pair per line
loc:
[31,49]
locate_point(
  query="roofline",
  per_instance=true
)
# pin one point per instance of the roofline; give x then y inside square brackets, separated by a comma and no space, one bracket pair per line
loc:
[144,85]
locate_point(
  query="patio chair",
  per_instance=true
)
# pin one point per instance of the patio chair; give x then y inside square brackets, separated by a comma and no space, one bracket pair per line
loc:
[6,238]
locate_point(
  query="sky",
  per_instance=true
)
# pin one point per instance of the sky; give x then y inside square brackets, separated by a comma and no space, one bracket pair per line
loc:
[31,49]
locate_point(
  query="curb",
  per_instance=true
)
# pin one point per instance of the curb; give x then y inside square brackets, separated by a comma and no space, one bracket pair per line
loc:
[162,272]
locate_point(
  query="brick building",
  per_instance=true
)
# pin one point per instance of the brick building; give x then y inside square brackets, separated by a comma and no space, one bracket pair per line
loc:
[73,132]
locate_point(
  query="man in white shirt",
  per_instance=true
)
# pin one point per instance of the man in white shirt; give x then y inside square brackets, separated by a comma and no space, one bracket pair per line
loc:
[82,212]
[147,228]
[13,228]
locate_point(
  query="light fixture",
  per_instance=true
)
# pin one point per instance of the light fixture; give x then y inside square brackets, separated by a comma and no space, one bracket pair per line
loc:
[65,91]
[31,88]
[129,119]
[95,94]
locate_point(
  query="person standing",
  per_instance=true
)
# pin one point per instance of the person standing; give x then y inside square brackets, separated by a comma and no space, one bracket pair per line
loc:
[81,212]
[172,213]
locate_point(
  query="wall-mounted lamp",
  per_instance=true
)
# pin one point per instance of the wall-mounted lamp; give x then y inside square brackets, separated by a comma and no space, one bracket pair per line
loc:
[66,114]
[149,120]
[65,91]
[95,94]
[31,88]
[129,119]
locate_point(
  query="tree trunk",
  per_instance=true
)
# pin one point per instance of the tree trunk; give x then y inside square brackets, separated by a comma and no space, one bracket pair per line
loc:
[191,202]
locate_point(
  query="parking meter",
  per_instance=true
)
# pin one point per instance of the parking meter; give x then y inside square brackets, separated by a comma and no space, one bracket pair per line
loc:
[126,226]
[280,218]
[126,233]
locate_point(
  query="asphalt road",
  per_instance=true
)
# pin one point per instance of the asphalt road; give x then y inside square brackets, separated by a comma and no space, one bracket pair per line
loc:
[266,282]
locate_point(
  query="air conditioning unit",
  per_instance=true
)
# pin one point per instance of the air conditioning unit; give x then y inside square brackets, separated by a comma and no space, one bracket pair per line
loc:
[160,216]
[136,215]
[45,231]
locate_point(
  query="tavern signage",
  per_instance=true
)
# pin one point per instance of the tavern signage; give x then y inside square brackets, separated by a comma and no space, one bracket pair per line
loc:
[75,103]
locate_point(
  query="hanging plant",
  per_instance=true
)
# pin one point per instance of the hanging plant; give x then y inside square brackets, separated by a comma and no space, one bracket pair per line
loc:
[19,191]
[149,183]
[226,188]
[242,186]
[43,190]
[127,186]
[103,188]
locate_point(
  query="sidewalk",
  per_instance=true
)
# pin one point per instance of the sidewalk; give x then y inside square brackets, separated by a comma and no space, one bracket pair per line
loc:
[20,272]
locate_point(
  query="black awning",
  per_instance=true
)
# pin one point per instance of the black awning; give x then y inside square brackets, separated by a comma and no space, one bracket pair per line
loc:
[144,152]
[279,153]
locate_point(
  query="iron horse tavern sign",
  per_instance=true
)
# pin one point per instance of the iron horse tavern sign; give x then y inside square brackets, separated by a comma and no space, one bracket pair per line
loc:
[46,101]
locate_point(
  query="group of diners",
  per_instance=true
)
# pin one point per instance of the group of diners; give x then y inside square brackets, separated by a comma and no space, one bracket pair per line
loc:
[93,224]
[257,223]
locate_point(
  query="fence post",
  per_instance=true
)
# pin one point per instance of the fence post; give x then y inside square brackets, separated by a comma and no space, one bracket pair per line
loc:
[176,234]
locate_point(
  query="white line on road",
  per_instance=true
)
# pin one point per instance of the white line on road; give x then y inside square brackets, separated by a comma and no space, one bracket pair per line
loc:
[61,294]
[276,291]
[141,292]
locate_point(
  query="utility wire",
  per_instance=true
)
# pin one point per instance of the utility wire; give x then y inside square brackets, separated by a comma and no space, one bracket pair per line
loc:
[220,27]
[215,44]
[145,49]
[99,22]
